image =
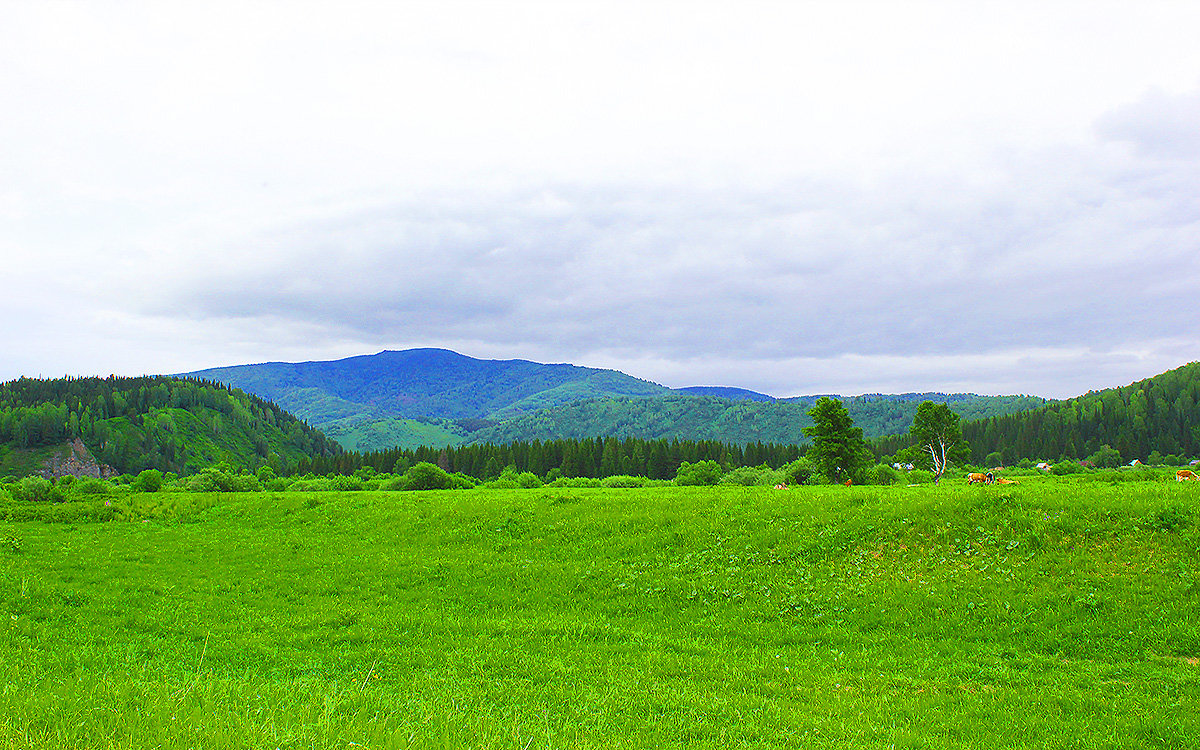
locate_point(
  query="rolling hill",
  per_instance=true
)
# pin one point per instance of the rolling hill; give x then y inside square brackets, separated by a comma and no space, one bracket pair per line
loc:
[1160,414]
[131,424]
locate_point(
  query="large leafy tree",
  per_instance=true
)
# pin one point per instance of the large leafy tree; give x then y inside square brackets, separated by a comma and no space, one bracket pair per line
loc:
[838,450]
[938,436]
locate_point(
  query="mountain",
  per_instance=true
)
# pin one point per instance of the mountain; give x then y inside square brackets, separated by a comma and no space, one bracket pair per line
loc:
[164,423]
[720,391]
[424,383]
[438,397]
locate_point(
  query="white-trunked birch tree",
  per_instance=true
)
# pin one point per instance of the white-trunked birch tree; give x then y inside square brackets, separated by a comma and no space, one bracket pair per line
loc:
[939,437]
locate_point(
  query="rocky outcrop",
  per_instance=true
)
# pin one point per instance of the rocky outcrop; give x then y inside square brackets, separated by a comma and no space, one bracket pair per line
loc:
[74,459]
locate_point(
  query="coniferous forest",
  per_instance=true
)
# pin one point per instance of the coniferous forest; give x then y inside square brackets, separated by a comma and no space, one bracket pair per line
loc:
[165,423]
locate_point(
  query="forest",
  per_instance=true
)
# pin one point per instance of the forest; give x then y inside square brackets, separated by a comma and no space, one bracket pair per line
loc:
[1156,416]
[170,424]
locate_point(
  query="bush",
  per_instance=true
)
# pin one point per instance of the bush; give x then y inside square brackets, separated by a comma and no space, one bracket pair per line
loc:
[427,476]
[150,480]
[800,471]
[1062,468]
[882,474]
[919,476]
[36,489]
[501,483]
[623,480]
[700,473]
[90,486]
[753,476]
[575,482]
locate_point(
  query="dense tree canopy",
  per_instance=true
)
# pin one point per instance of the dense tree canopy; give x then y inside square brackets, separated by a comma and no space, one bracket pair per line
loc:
[938,438]
[838,449]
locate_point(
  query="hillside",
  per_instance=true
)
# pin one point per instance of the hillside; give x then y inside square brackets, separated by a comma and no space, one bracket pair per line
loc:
[438,397]
[162,423]
[423,383]
[1160,414]
[741,421]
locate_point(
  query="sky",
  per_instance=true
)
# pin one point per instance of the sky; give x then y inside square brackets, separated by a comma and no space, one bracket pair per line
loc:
[792,197]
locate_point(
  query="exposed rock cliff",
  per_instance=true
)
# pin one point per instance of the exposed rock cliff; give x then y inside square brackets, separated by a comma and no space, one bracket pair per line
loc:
[75,459]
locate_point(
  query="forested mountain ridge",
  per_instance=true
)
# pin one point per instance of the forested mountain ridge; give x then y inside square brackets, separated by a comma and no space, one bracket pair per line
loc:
[165,423]
[1159,414]
[413,397]
[423,383]
[726,420]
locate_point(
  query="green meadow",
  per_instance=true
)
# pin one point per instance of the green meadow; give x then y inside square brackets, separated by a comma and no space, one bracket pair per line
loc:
[1049,614]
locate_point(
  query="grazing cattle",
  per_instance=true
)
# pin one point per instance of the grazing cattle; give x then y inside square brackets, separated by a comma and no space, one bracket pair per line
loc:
[1002,480]
[976,478]
[1186,475]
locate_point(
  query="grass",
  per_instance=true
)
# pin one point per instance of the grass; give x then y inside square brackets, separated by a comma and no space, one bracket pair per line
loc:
[1052,615]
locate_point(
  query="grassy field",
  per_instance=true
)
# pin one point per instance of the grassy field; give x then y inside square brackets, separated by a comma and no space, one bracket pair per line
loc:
[1040,615]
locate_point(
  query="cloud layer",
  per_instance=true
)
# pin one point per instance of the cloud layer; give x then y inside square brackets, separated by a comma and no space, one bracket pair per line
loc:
[789,201]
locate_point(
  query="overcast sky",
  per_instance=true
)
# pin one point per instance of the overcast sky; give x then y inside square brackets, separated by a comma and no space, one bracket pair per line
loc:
[794,197]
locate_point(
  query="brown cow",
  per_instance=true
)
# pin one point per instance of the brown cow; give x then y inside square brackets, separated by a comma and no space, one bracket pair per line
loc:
[975,478]
[1186,475]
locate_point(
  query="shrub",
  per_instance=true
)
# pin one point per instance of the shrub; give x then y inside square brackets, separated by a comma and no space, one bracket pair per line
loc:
[150,480]
[36,489]
[1062,468]
[753,476]
[698,474]
[919,476]
[623,480]
[90,486]
[529,480]
[501,483]
[426,476]
[800,471]
[575,482]
[882,474]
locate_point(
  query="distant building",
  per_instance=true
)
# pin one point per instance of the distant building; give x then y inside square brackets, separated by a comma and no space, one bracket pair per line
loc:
[1043,466]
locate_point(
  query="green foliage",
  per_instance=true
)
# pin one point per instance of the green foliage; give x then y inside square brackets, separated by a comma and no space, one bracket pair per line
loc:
[720,419]
[1106,457]
[753,476]
[426,476]
[150,480]
[882,474]
[162,423]
[619,481]
[800,471]
[838,450]
[35,489]
[1155,414]
[87,486]
[937,438]
[1063,468]
[701,473]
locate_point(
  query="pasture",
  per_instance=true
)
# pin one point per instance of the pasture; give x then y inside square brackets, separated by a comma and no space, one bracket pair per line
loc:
[1041,615]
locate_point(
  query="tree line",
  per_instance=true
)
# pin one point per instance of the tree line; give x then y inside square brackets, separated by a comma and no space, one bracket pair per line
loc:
[1158,415]
[568,457]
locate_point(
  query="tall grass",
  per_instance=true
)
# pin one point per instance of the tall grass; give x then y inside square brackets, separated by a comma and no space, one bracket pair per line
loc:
[1054,615]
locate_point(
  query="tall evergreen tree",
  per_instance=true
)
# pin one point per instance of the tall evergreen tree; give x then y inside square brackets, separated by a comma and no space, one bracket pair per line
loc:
[838,449]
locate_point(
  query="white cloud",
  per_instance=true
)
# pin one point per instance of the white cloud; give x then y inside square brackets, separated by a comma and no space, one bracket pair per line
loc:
[924,191]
